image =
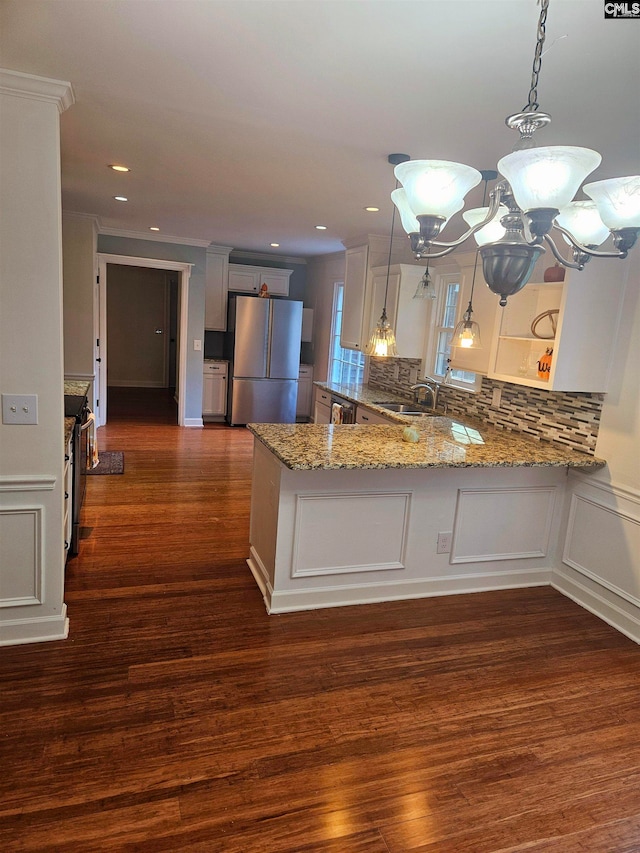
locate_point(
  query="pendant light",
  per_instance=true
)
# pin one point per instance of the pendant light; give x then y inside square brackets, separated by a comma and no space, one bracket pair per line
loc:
[425,288]
[382,343]
[467,332]
[536,190]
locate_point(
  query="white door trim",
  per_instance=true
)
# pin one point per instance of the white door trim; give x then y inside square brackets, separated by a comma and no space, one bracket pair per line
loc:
[184,271]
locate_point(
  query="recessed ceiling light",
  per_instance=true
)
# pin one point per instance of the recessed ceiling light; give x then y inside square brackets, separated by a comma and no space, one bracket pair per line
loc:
[153,228]
[120,198]
[372,209]
[321,227]
[275,245]
[117,168]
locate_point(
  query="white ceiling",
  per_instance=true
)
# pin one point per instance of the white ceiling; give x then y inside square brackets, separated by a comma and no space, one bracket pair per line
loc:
[249,122]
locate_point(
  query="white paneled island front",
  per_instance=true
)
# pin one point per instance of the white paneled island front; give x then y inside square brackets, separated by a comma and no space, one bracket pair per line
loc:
[350,514]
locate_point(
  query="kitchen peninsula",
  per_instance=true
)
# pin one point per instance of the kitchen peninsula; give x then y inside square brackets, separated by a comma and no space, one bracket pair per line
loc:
[349,514]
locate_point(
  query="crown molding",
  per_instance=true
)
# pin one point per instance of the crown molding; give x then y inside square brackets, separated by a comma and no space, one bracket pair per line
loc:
[154,236]
[264,256]
[36,88]
[86,217]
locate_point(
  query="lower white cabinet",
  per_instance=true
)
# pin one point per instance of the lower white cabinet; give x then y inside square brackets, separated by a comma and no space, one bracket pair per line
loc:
[322,407]
[214,390]
[305,392]
[369,417]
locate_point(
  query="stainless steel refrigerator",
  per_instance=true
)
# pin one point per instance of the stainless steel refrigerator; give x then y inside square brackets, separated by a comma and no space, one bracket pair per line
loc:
[263,348]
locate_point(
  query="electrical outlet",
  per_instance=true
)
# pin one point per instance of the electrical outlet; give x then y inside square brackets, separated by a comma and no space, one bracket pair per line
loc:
[444,542]
[496,398]
[197,345]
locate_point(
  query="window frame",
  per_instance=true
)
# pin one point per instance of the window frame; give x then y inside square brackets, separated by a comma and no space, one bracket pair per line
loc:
[443,280]
[354,360]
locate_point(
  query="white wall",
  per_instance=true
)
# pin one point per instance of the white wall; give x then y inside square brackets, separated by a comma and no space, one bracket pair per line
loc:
[322,273]
[601,563]
[31,358]
[79,241]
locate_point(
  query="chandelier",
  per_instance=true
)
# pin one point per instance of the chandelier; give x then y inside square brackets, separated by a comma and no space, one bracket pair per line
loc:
[534,197]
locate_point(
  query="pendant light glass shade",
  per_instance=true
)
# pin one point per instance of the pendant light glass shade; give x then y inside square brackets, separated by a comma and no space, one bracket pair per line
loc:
[547,177]
[407,216]
[467,333]
[382,343]
[582,219]
[618,201]
[493,230]
[436,187]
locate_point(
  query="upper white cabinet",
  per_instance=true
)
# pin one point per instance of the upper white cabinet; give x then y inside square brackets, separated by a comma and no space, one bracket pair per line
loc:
[485,303]
[355,283]
[215,293]
[360,262]
[581,331]
[408,317]
[248,279]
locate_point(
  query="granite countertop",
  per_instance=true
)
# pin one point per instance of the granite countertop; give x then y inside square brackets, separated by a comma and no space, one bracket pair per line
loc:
[443,443]
[76,387]
[69,424]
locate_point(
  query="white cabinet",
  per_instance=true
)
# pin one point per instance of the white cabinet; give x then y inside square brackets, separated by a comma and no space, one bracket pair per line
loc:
[408,317]
[305,392]
[355,282]
[369,417]
[214,390]
[586,323]
[322,407]
[215,292]
[248,279]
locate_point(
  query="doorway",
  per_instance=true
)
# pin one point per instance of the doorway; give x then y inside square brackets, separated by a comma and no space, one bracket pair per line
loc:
[178,274]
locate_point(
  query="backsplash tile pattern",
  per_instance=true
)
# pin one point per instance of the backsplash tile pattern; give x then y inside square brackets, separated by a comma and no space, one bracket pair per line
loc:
[571,419]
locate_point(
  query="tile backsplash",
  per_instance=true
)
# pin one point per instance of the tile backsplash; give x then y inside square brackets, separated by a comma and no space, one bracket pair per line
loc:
[571,419]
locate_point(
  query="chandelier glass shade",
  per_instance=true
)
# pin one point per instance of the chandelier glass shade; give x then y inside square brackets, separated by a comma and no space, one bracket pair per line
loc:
[582,219]
[618,201]
[534,196]
[491,232]
[547,177]
[436,187]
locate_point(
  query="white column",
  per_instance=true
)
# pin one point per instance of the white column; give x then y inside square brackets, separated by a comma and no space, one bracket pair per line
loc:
[31,358]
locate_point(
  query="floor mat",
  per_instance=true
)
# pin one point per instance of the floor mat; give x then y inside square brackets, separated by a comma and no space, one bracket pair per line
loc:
[109,462]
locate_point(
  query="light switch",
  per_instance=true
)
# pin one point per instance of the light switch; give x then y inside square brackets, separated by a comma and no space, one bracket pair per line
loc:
[197,345]
[19,409]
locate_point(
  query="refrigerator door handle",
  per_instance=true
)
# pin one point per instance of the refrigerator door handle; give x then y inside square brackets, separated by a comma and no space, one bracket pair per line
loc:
[269,337]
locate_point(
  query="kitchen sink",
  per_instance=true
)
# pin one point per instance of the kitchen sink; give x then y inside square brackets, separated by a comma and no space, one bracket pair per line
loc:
[404,409]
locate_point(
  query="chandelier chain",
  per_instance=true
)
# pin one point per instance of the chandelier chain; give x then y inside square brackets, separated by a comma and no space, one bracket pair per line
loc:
[532,103]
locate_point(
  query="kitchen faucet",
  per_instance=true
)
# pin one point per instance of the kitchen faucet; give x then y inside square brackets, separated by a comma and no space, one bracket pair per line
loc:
[429,384]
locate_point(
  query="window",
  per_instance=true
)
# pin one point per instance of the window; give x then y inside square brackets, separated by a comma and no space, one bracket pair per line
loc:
[346,366]
[448,286]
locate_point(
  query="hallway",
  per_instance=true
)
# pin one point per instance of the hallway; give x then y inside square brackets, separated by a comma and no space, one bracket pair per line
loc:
[179,717]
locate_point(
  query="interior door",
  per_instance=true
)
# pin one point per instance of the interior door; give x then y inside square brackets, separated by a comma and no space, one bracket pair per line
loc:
[137,306]
[99,399]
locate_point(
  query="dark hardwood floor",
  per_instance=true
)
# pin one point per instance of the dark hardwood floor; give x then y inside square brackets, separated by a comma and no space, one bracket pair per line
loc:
[178,716]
